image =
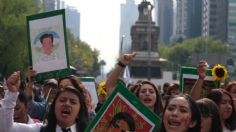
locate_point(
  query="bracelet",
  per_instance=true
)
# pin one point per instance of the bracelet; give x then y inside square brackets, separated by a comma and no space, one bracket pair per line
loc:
[121,64]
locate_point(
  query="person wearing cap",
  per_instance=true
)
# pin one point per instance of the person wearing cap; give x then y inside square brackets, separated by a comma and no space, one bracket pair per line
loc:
[40,109]
[50,88]
[173,89]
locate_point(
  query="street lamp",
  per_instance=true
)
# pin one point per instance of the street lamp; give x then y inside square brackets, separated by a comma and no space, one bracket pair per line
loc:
[149,39]
[102,64]
[121,44]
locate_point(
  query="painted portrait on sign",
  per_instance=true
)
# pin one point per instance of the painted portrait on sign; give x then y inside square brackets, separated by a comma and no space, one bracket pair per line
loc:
[124,112]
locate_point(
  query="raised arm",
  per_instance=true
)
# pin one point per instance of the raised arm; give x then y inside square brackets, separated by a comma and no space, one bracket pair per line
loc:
[197,87]
[9,101]
[119,68]
[29,88]
[7,108]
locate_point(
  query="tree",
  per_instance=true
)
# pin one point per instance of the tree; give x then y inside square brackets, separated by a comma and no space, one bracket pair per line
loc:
[82,56]
[179,53]
[13,37]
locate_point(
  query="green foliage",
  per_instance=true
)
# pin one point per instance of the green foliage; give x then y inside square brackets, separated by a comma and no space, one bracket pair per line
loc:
[180,53]
[82,56]
[13,37]
[14,45]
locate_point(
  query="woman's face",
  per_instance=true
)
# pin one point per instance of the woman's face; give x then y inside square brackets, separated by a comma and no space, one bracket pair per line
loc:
[65,82]
[177,116]
[67,108]
[147,95]
[225,107]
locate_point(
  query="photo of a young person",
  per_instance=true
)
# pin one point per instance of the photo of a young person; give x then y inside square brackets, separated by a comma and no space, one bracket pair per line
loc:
[48,54]
[122,121]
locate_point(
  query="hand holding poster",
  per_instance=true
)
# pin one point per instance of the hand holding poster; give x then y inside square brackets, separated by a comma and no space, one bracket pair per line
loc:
[47,44]
[122,105]
[189,75]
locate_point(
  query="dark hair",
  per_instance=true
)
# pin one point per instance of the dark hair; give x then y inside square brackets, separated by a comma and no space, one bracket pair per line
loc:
[22,98]
[216,96]
[165,87]
[208,108]
[82,117]
[72,80]
[46,35]
[173,86]
[230,85]
[125,117]
[22,85]
[194,110]
[158,104]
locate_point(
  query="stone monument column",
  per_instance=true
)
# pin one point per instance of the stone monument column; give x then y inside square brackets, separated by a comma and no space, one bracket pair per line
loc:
[144,34]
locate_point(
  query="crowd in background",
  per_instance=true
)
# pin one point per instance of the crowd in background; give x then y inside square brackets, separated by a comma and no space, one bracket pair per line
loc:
[61,105]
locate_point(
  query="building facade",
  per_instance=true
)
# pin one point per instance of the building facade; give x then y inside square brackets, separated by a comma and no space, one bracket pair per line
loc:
[164,18]
[214,19]
[73,21]
[188,18]
[231,36]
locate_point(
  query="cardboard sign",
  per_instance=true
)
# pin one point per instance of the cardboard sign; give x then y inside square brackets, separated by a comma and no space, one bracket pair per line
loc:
[188,77]
[90,85]
[123,104]
[48,45]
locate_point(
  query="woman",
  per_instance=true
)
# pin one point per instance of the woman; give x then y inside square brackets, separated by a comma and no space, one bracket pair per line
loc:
[75,82]
[71,81]
[210,117]
[146,91]
[181,114]
[231,88]
[224,102]
[68,111]
[149,95]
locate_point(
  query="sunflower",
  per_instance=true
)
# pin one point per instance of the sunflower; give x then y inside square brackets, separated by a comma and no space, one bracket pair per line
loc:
[219,72]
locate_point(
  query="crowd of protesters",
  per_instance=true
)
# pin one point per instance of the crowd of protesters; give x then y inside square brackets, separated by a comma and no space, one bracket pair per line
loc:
[62,105]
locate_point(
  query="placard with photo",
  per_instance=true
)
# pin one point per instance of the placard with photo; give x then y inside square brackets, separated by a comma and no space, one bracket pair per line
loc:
[189,75]
[47,44]
[124,106]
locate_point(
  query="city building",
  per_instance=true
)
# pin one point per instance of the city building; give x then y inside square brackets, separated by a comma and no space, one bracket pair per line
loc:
[128,16]
[73,21]
[214,19]
[188,18]
[164,19]
[51,5]
[231,36]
